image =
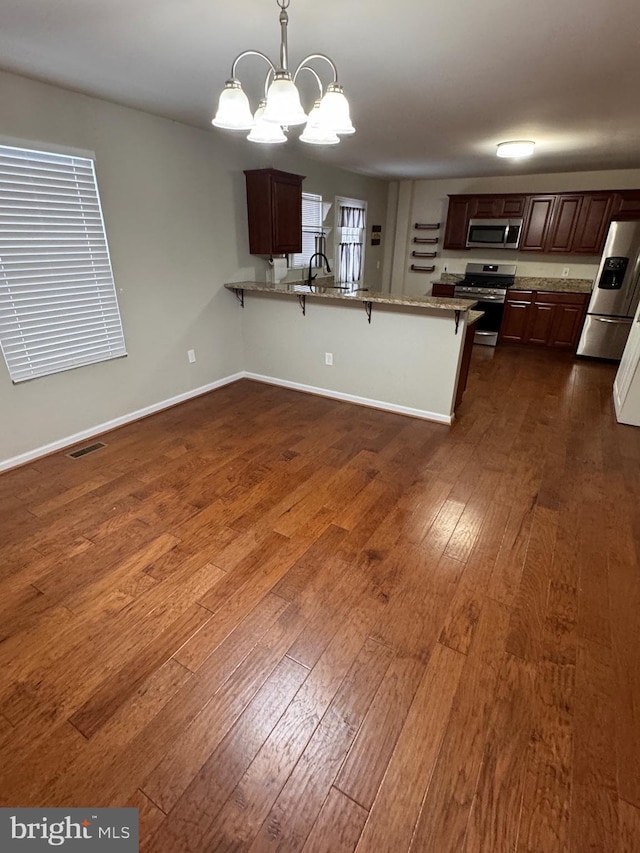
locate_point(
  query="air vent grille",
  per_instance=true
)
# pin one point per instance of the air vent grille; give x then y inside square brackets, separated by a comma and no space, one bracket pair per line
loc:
[76,454]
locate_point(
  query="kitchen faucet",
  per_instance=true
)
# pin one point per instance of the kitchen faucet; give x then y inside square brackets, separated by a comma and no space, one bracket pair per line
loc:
[322,255]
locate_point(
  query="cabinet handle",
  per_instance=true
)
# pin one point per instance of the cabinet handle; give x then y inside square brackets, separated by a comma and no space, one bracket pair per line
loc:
[422,269]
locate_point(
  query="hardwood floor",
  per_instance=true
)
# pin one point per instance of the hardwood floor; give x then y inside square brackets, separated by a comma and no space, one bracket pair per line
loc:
[277,622]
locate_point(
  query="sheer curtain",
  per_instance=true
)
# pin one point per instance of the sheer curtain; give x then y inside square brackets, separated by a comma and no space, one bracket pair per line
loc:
[350,244]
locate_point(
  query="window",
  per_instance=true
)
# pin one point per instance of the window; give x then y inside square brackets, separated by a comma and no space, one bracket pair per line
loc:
[312,230]
[350,231]
[58,305]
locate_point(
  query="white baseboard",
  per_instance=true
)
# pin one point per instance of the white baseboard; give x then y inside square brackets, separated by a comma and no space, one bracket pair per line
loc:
[99,429]
[352,398]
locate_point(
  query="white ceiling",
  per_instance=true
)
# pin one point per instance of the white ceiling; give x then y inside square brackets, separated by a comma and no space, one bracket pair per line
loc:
[433,85]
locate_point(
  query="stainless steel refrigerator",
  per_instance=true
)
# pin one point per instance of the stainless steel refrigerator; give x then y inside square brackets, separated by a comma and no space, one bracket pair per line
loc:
[615,294]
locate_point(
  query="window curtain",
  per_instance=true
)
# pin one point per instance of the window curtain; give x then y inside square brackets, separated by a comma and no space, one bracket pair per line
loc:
[350,245]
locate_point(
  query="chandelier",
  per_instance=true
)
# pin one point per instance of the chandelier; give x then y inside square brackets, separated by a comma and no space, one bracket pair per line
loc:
[281,108]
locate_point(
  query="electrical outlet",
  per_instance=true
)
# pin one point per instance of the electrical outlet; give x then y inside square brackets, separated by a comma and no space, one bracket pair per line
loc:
[191,355]
[328,358]
[565,272]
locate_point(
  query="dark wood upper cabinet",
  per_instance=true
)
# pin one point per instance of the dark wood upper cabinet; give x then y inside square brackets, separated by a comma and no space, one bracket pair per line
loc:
[513,205]
[487,207]
[562,228]
[274,208]
[535,230]
[461,210]
[626,204]
[593,224]
[554,223]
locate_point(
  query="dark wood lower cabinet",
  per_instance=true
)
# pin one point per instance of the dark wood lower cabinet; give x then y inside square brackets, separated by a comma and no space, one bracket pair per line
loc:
[515,319]
[543,319]
[443,289]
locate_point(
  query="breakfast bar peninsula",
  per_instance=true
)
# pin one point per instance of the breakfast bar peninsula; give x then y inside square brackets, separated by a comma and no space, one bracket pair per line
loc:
[405,354]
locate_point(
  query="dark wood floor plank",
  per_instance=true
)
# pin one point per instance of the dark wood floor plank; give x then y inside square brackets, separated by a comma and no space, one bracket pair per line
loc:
[76,759]
[249,804]
[338,826]
[462,616]
[547,796]
[256,606]
[594,819]
[500,785]
[530,606]
[445,812]
[398,801]
[367,762]
[629,827]
[191,804]
[120,685]
[289,822]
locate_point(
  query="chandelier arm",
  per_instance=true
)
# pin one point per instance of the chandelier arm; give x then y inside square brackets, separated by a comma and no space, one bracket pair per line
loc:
[284,45]
[250,53]
[311,71]
[317,56]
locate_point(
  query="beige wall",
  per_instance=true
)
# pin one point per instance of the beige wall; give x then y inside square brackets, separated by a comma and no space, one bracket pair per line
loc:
[175,212]
[405,360]
[426,201]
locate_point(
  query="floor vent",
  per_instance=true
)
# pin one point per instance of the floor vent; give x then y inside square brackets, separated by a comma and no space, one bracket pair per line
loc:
[76,454]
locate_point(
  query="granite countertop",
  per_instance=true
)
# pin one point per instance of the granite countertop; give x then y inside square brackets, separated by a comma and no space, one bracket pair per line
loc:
[550,285]
[437,303]
[553,285]
[474,316]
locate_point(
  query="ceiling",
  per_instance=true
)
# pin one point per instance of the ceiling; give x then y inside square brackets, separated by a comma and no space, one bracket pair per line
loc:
[433,86]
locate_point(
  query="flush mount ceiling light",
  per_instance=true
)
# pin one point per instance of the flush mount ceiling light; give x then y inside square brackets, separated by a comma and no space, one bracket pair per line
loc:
[516,148]
[281,108]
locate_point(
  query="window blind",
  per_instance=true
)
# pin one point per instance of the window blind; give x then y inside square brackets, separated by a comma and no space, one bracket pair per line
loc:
[58,305]
[311,229]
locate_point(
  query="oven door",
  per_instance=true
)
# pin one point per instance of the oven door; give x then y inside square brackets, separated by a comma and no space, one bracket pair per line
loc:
[488,326]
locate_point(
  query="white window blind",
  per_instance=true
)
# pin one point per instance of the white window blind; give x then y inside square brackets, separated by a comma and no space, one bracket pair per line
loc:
[58,305]
[311,229]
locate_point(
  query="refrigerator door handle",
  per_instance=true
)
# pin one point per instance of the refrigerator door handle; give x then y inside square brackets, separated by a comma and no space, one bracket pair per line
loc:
[606,319]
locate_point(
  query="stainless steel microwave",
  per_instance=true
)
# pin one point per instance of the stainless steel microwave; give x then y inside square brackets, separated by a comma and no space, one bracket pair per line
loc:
[494,233]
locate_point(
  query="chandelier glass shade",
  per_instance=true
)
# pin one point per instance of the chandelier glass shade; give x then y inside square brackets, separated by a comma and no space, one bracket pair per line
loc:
[282,108]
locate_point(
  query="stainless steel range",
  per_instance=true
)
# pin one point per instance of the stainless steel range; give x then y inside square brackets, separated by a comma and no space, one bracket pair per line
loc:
[488,285]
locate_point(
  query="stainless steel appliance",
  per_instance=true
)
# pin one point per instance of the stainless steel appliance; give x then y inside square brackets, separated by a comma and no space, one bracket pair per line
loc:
[488,285]
[494,233]
[615,294]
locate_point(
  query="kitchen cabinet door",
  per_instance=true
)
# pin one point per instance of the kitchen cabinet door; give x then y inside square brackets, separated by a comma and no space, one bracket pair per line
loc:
[562,228]
[459,213]
[513,205]
[442,289]
[274,211]
[593,224]
[626,204]
[567,324]
[515,320]
[540,323]
[535,231]
[487,207]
